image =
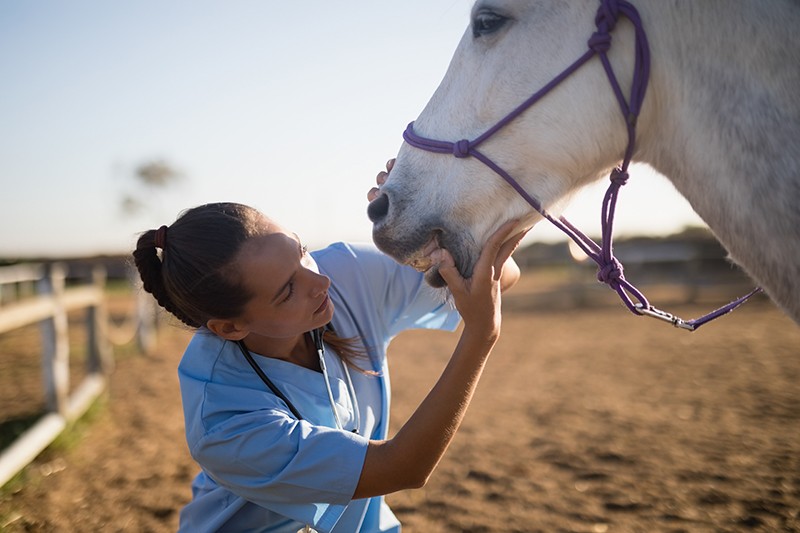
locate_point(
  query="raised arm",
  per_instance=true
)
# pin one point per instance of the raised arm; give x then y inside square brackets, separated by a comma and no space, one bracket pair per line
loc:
[408,459]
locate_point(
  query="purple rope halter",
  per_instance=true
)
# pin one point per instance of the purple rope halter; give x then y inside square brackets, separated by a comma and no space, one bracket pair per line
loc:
[610,270]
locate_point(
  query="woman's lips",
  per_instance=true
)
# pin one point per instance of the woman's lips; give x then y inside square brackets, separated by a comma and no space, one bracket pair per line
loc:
[323,306]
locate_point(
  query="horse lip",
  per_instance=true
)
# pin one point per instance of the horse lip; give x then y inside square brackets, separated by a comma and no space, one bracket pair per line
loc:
[422,260]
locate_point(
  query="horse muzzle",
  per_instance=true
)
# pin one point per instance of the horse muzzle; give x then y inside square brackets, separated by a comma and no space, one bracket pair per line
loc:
[411,240]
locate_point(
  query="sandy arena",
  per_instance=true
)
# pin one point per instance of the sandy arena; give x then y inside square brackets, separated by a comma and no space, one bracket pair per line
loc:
[586,420]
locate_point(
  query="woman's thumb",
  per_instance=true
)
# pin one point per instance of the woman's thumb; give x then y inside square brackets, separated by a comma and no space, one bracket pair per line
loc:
[446,265]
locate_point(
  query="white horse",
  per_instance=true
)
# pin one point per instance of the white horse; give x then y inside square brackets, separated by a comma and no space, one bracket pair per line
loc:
[720,119]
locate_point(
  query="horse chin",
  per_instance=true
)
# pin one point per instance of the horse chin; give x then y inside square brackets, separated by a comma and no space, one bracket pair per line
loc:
[417,252]
[434,279]
[464,256]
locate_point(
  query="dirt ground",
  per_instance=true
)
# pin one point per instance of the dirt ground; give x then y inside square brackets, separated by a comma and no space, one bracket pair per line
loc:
[586,420]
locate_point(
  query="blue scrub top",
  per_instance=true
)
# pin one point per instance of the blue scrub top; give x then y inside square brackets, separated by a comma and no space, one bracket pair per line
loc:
[262,469]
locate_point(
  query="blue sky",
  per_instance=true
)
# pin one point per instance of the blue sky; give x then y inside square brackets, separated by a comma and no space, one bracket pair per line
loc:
[292,107]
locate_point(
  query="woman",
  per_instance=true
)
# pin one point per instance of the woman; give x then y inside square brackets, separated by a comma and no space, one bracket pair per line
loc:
[286,402]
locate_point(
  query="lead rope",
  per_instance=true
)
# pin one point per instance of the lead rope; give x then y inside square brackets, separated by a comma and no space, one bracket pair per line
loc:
[610,270]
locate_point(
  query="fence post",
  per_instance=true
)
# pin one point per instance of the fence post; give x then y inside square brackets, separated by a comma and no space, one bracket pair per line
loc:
[146,317]
[99,358]
[147,328]
[55,343]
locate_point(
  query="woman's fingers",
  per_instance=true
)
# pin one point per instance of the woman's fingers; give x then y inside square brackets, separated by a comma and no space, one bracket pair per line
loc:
[491,253]
[383,175]
[495,253]
[508,248]
[380,179]
[447,268]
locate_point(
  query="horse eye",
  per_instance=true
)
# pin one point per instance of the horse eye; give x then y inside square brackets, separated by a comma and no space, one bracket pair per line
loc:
[486,22]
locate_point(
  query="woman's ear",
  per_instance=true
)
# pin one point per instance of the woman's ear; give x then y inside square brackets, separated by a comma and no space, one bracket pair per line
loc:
[227,329]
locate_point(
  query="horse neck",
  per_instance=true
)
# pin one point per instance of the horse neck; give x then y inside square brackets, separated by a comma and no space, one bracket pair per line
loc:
[711,119]
[721,120]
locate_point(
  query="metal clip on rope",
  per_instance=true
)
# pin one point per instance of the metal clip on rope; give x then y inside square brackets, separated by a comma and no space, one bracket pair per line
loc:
[654,312]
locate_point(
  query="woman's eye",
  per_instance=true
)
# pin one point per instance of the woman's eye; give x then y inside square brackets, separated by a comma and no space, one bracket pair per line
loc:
[486,22]
[291,292]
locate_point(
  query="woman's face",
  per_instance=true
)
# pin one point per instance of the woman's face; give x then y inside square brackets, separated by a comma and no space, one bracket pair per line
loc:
[290,296]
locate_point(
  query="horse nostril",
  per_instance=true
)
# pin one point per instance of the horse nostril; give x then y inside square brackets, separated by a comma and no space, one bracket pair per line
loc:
[378,208]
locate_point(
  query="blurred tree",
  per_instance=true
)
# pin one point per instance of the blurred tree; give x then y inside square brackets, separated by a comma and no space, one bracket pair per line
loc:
[157,174]
[149,178]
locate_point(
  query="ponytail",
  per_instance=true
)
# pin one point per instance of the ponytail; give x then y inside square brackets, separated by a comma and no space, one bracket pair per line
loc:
[149,265]
[191,276]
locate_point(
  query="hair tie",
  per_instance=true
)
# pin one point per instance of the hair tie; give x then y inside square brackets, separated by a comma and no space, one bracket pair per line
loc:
[161,237]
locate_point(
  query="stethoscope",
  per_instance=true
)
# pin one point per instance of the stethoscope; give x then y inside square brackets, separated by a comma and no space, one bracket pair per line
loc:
[316,336]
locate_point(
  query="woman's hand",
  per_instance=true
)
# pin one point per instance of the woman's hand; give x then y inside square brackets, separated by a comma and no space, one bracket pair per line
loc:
[380,179]
[478,298]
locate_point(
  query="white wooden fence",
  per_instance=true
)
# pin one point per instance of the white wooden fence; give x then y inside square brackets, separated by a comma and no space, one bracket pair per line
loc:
[39,295]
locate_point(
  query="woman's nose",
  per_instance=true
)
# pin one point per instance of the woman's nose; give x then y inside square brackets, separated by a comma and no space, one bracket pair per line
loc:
[321,283]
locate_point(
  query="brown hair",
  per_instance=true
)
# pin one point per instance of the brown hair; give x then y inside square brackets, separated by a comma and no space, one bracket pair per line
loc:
[195,278]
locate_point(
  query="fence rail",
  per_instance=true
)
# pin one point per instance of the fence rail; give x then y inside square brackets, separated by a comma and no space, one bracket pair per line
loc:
[38,294]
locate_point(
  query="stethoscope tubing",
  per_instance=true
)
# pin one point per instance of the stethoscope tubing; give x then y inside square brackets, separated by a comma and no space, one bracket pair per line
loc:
[316,335]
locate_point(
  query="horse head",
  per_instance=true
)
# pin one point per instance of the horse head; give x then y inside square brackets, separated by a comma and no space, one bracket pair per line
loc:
[568,138]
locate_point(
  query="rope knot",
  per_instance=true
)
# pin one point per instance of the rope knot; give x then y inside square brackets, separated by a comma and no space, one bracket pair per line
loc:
[600,42]
[610,272]
[461,148]
[607,15]
[605,20]
[619,177]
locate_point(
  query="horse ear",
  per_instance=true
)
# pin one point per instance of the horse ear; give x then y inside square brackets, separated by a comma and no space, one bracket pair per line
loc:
[227,329]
